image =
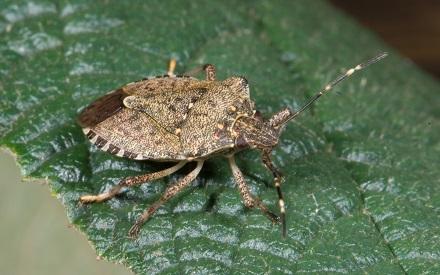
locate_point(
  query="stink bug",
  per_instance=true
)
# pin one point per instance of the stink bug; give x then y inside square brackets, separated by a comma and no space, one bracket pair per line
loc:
[183,119]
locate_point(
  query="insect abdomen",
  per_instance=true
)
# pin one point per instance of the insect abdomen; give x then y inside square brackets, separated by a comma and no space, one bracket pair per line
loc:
[102,108]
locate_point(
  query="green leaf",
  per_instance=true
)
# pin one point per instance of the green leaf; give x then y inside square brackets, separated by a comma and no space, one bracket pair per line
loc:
[361,167]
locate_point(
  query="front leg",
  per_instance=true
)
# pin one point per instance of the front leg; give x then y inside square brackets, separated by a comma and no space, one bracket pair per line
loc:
[249,200]
[267,161]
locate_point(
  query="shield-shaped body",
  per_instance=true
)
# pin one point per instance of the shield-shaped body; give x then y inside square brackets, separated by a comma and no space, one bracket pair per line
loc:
[168,118]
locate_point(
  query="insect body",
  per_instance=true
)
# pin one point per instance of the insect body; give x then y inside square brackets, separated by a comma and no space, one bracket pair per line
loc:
[182,119]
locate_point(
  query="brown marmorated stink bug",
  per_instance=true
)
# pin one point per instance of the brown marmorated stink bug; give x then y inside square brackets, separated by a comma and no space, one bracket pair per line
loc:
[178,118]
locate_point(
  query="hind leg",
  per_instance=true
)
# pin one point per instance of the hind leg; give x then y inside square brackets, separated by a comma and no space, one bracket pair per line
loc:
[170,192]
[131,181]
[249,200]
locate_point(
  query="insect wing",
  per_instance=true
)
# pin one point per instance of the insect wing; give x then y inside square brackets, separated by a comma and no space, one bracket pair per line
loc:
[169,109]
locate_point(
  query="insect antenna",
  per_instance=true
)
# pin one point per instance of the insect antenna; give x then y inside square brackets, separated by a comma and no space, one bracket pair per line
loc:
[286,114]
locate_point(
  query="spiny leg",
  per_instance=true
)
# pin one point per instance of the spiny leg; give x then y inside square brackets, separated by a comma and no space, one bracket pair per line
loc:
[248,199]
[170,192]
[267,161]
[131,181]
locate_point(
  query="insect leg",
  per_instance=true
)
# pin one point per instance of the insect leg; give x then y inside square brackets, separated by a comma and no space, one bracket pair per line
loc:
[209,71]
[131,181]
[267,161]
[249,200]
[170,192]
[171,67]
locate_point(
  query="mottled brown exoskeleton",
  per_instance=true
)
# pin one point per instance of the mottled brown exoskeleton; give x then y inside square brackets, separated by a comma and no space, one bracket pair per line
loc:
[183,119]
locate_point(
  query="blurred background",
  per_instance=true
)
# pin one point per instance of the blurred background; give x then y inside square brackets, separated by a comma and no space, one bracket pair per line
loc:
[410,26]
[42,238]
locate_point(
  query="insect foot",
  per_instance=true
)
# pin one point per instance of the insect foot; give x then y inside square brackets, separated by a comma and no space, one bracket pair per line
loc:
[180,119]
[88,199]
[134,230]
[100,197]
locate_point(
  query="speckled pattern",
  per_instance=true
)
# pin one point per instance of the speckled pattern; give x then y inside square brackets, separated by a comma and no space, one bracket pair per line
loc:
[168,118]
